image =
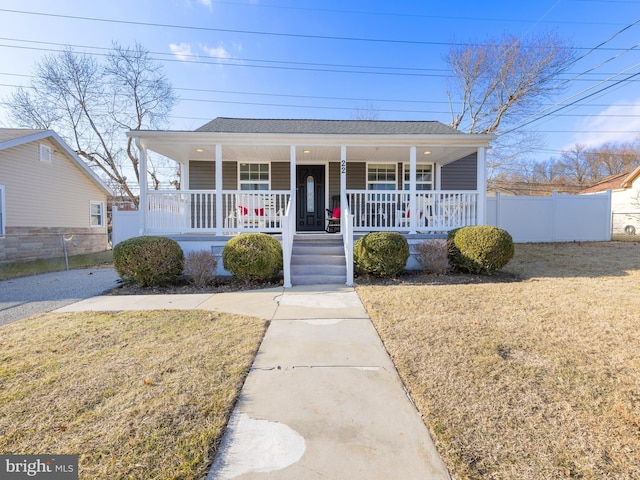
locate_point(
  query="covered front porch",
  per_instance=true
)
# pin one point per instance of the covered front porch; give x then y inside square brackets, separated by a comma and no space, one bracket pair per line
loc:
[310,176]
[195,211]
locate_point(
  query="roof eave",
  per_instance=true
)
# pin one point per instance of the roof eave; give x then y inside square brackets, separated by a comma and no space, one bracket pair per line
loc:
[164,137]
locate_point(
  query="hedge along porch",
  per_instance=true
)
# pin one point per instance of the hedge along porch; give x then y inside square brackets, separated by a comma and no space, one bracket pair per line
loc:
[281,176]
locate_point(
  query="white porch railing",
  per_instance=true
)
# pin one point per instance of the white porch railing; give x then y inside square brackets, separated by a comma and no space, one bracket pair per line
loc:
[288,231]
[434,210]
[347,240]
[192,211]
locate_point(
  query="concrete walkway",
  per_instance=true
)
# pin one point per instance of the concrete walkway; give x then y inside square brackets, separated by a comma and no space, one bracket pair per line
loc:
[323,399]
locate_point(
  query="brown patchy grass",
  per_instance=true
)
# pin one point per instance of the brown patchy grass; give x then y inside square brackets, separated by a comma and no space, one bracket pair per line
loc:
[532,374]
[137,395]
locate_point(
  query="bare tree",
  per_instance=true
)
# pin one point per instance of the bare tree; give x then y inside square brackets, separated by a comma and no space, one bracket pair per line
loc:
[368,111]
[577,167]
[500,81]
[91,105]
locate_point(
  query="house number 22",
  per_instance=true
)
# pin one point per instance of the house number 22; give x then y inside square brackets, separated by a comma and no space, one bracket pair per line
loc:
[343,166]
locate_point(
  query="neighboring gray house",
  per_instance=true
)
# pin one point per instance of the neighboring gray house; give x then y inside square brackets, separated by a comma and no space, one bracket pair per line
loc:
[47,193]
[288,176]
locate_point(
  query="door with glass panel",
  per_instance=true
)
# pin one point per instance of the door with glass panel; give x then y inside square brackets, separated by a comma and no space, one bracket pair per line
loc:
[310,198]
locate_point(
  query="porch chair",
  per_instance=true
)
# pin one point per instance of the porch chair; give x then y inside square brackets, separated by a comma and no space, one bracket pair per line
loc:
[257,211]
[333,215]
[424,211]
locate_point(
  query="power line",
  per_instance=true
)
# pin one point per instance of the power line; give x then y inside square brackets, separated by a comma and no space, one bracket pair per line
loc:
[411,15]
[538,116]
[251,32]
[237,62]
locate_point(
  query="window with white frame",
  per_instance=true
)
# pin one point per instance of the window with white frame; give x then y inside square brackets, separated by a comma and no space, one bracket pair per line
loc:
[2,212]
[381,176]
[424,176]
[253,176]
[97,214]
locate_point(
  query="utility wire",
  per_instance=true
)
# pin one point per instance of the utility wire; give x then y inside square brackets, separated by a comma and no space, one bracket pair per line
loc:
[249,32]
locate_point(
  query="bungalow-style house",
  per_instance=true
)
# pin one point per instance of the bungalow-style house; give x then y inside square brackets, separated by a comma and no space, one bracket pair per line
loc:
[625,200]
[295,177]
[49,199]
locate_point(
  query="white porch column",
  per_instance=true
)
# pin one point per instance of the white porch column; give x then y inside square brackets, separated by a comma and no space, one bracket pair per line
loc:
[218,163]
[293,183]
[142,202]
[184,176]
[343,180]
[482,186]
[413,207]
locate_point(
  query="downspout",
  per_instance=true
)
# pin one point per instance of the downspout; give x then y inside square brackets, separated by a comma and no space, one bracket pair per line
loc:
[142,202]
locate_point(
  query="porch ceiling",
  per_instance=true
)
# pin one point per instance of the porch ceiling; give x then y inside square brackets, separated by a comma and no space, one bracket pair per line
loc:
[182,153]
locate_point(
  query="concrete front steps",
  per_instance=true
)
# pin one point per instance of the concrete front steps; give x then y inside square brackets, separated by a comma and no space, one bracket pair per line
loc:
[318,259]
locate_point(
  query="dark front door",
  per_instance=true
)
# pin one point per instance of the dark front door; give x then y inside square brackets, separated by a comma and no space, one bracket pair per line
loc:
[310,206]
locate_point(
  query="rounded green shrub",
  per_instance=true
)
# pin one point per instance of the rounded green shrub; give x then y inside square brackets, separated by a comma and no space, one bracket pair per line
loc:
[148,261]
[480,248]
[253,257]
[382,254]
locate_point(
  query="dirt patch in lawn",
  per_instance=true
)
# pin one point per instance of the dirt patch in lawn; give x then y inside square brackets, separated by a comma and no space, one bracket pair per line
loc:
[529,374]
[136,394]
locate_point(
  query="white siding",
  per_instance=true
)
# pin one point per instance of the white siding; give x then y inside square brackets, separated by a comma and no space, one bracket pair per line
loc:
[40,194]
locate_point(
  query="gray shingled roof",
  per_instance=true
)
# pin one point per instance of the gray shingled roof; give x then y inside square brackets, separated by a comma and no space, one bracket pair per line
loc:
[329,127]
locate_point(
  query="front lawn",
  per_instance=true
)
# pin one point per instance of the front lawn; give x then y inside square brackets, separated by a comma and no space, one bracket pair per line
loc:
[137,395]
[531,374]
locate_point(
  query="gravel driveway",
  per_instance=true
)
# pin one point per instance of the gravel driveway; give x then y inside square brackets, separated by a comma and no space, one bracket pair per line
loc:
[25,296]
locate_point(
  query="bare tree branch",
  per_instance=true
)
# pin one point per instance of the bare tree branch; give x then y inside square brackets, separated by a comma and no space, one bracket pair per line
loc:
[92,105]
[499,81]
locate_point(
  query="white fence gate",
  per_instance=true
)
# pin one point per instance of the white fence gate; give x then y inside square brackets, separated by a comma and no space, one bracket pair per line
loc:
[558,218]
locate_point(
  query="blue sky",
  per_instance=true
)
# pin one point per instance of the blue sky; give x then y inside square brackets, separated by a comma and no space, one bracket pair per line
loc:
[311,59]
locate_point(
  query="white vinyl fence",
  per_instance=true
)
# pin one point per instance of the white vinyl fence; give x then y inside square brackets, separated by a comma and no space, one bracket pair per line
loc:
[558,218]
[124,225]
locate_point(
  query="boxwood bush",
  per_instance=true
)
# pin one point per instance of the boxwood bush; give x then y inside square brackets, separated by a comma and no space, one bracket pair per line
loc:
[253,257]
[383,254]
[148,261]
[480,248]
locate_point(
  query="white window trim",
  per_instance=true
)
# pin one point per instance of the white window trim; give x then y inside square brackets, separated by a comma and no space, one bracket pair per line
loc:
[45,153]
[378,182]
[3,212]
[261,182]
[407,166]
[102,214]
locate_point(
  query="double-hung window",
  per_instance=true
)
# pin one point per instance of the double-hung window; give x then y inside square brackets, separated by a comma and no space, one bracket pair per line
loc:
[97,214]
[381,176]
[254,176]
[424,176]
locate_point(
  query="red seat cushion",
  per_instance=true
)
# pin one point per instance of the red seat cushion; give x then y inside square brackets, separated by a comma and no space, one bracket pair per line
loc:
[336,212]
[259,212]
[243,210]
